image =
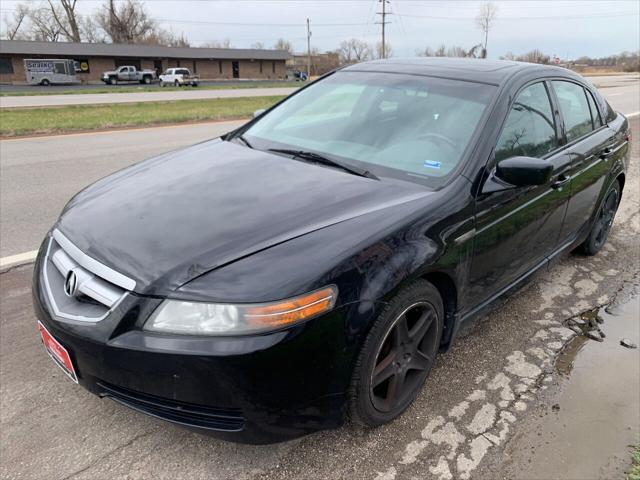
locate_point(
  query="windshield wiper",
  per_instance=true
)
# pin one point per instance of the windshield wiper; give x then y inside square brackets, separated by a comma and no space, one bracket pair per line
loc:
[242,139]
[317,158]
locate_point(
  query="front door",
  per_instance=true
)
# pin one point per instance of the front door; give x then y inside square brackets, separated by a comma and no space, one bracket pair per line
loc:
[517,227]
[236,69]
[592,145]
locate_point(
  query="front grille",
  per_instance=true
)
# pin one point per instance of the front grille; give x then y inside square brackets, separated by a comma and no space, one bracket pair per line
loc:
[187,414]
[97,288]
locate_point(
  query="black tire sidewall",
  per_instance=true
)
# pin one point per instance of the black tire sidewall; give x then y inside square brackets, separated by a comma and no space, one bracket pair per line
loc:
[362,410]
[590,247]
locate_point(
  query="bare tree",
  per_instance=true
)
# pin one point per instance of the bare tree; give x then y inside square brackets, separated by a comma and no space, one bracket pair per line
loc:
[66,18]
[44,26]
[224,43]
[388,51]
[441,51]
[427,52]
[127,22]
[353,51]
[258,45]
[283,44]
[161,36]
[91,31]
[485,20]
[18,20]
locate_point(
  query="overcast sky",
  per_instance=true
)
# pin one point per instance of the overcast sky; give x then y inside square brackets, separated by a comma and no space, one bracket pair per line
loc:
[564,28]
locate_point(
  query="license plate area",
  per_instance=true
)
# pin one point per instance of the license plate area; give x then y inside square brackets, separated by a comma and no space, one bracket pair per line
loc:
[57,352]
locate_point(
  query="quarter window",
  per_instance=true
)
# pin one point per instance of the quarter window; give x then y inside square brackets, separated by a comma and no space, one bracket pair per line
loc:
[597,121]
[574,108]
[529,130]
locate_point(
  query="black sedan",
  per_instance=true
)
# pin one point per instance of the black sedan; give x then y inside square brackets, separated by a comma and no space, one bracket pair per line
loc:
[306,268]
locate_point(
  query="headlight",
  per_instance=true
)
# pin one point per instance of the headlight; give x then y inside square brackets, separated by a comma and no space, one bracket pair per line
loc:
[197,318]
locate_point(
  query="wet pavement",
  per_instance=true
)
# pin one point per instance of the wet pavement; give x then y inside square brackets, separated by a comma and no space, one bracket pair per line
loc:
[471,418]
[585,424]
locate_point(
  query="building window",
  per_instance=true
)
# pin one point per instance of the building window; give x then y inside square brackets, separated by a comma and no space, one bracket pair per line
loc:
[6,67]
[220,66]
[260,66]
[273,67]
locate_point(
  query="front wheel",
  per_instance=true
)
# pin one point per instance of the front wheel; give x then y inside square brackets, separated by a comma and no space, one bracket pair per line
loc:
[397,355]
[45,83]
[113,81]
[604,220]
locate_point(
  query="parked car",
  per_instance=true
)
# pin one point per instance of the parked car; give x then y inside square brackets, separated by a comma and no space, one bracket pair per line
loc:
[127,74]
[179,77]
[50,71]
[308,267]
[297,75]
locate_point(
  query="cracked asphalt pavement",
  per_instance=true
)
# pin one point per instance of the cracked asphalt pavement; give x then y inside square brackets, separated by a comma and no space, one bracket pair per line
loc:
[468,420]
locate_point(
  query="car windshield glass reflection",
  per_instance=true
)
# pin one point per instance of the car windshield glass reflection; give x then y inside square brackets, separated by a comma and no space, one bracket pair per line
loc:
[401,126]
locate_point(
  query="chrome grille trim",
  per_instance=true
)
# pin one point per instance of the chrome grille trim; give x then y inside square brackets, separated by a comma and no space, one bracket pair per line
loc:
[92,265]
[62,257]
[89,284]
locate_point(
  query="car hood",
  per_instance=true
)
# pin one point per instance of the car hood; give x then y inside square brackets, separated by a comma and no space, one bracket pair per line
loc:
[168,220]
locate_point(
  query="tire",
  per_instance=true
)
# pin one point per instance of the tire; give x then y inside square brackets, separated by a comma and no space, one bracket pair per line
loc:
[45,83]
[176,83]
[113,81]
[162,84]
[147,80]
[402,356]
[602,224]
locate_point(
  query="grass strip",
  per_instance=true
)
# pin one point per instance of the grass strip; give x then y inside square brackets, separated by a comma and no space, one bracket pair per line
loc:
[76,118]
[145,88]
[634,471]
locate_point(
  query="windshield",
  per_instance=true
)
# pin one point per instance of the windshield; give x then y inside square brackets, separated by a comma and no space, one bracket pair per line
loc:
[402,126]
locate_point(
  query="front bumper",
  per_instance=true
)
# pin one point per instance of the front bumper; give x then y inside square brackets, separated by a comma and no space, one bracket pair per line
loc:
[252,389]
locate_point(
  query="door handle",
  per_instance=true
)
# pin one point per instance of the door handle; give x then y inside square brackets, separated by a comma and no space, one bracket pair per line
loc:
[606,153]
[560,182]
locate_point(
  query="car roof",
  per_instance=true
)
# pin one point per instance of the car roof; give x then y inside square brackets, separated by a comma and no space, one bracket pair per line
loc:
[494,72]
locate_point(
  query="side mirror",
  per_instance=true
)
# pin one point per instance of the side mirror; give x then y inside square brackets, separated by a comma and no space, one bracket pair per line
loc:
[524,171]
[257,113]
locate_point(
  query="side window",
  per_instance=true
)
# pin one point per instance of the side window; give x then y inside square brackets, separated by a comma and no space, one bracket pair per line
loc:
[529,130]
[574,108]
[595,115]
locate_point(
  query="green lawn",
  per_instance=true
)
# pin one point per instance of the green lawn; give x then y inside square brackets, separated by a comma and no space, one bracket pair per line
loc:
[149,88]
[28,121]
[634,472]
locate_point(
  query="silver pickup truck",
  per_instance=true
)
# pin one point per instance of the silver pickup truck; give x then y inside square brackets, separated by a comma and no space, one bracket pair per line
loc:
[128,74]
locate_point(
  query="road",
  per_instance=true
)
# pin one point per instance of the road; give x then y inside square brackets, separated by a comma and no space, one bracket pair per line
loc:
[136,97]
[94,86]
[480,402]
[39,175]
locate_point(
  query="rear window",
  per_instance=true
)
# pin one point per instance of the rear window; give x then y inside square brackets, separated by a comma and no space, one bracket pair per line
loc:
[574,107]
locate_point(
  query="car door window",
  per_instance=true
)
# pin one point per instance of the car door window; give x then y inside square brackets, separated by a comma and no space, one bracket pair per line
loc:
[530,129]
[574,108]
[595,115]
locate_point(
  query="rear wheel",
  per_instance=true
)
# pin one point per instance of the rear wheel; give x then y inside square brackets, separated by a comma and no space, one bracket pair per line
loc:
[604,220]
[45,82]
[176,83]
[147,80]
[397,355]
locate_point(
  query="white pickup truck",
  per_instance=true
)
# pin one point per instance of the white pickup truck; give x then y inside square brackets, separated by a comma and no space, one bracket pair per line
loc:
[128,73]
[178,77]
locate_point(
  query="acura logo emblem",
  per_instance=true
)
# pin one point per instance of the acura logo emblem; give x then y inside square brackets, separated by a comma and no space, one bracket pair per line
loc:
[71,284]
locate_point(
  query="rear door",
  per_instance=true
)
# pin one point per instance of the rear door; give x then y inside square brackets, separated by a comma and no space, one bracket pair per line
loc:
[517,227]
[591,144]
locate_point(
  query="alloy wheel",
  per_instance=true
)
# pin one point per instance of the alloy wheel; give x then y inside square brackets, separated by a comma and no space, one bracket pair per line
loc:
[605,218]
[404,357]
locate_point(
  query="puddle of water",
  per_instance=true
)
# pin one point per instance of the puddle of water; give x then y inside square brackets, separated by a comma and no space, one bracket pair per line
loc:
[596,411]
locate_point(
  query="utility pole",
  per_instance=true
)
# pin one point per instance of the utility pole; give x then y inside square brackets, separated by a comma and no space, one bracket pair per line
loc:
[308,51]
[383,53]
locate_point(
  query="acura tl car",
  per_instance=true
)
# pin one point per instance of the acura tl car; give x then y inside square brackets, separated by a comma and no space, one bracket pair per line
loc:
[305,269]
